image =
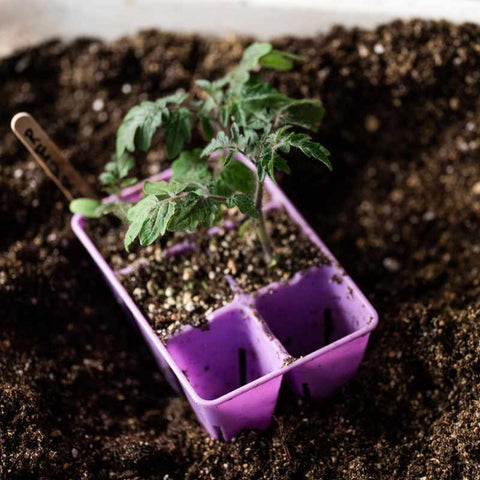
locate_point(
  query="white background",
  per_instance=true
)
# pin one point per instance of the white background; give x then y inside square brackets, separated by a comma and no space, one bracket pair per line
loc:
[24,22]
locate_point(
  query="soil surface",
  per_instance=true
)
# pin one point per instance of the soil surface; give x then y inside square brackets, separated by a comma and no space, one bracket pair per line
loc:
[80,396]
[209,266]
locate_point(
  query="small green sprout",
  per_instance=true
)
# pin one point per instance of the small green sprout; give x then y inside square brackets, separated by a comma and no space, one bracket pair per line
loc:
[236,114]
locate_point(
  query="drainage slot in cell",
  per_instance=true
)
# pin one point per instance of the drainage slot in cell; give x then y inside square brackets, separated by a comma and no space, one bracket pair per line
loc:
[220,435]
[306,390]
[242,363]
[310,313]
[235,347]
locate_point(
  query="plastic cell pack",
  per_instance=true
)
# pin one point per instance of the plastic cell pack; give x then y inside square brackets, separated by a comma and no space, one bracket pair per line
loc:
[310,332]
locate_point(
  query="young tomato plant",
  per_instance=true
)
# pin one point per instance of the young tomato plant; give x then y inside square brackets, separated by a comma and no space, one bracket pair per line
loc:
[235,114]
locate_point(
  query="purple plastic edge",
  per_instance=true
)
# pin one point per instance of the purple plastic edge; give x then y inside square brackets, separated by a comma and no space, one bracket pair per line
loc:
[152,338]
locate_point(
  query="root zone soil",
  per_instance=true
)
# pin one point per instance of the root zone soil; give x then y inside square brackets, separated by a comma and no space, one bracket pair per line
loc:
[181,289]
[80,396]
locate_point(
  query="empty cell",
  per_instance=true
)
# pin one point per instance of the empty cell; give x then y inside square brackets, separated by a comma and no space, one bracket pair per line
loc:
[234,351]
[311,312]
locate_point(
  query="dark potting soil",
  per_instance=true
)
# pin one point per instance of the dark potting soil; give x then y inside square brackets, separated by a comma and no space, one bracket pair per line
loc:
[80,396]
[175,290]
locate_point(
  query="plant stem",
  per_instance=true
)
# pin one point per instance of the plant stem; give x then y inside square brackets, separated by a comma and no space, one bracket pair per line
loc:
[262,231]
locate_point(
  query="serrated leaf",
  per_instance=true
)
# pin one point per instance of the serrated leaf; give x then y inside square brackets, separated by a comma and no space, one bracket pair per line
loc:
[178,131]
[192,211]
[128,182]
[224,114]
[308,147]
[279,60]
[229,157]
[267,162]
[281,164]
[220,142]
[206,126]
[170,189]
[275,60]
[107,178]
[239,114]
[238,177]
[244,203]
[176,98]
[139,125]
[253,53]
[124,163]
[260,120]
[209,104]
[205,84]
[258,96]
[142,121]
[117,169]
[191,167]
[249,62]
[306,113]
[132,233]
[119,209]
[248,141]
[157,223]
[148,220]
[111,166]
[85,206]
[235,132]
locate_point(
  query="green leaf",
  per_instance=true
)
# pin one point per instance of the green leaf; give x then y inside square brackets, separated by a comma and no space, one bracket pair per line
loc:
[239,114]
[192,211]
[248,141]
[267,162]
[132,233]
[238,177]
[205,84]
[224,115]
[85,206]
[275,60]
[176,98]
[230,154]
[253,53]
[235,132]
[206,126]
[250,61]
[116,171]
[124,163]
[178,131]
[119,209]
[170,189]
[245,204]
[278,60]
[258,96]
[141,207]
[107,178]
[261,120]
[111,166]
[306,113]
[308,147]
[139,125]
[142,121]
[220,142]
[156,224]
[191,167]
[281,164]
[148,219]
[128,182]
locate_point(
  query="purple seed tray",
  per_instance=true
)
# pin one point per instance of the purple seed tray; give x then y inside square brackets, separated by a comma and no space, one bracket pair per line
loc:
[311,331]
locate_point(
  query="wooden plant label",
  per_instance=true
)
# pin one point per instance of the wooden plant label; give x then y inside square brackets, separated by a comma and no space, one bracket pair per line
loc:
[48,155]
